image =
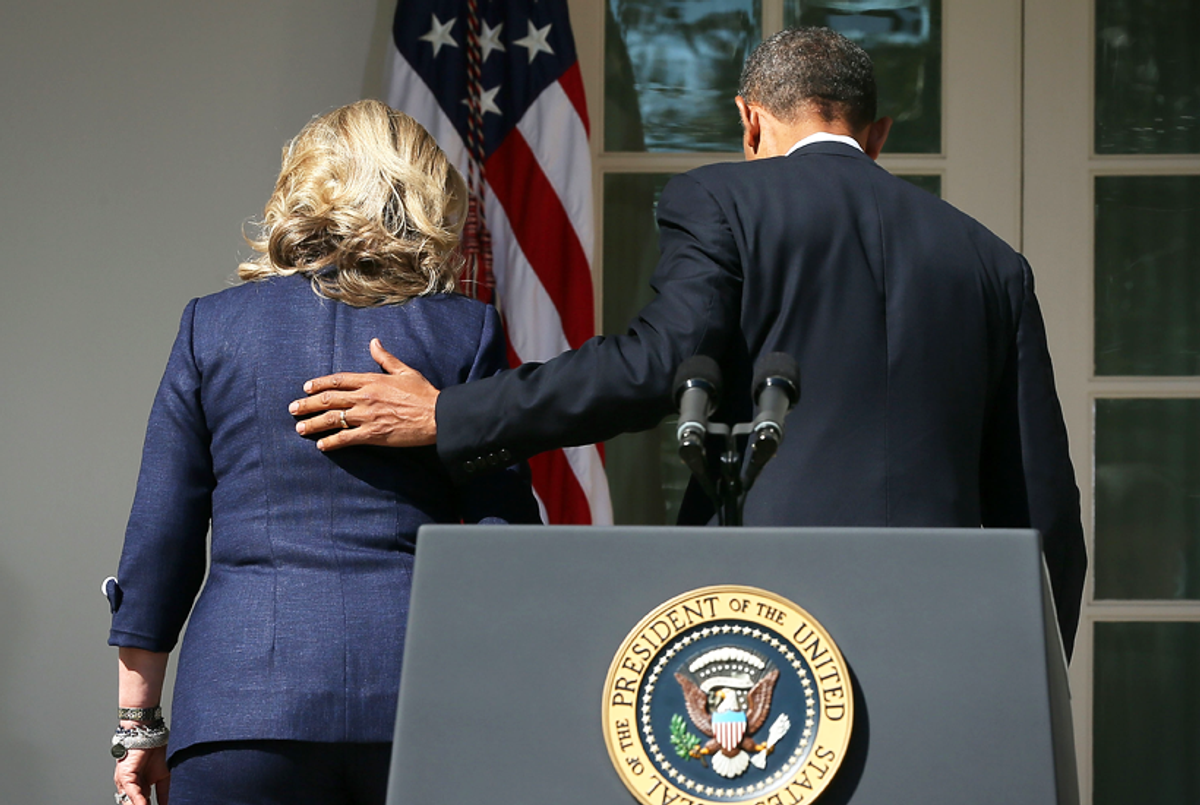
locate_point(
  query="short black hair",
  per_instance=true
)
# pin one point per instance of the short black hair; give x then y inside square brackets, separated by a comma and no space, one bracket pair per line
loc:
[811,67]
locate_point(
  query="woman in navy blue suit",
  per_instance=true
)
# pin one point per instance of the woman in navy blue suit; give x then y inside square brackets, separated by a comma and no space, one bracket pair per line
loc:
[287,677]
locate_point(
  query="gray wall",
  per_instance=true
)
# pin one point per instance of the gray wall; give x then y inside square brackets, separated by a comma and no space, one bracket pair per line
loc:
[137,137]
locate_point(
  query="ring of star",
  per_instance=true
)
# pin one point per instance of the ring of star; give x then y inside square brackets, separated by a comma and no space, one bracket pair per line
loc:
[798,756]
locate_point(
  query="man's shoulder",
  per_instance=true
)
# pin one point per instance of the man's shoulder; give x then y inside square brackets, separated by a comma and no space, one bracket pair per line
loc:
[719,173]
[721,182]
[819,158]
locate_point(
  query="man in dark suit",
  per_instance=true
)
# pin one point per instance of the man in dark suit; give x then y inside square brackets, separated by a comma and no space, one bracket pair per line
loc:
[928,397]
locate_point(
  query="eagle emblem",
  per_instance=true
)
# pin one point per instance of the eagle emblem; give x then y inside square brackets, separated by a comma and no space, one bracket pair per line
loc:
[727,692]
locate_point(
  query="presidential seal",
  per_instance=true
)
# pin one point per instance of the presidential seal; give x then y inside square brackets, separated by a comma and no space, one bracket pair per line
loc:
[727,694]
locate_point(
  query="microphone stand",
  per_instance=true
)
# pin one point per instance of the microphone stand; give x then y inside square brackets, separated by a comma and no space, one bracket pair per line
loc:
[729,497]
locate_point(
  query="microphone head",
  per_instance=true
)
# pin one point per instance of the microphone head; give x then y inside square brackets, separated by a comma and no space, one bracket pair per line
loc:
[697,370]
[777,369]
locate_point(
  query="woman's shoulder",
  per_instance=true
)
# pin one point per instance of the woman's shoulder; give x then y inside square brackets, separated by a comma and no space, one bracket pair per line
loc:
[453,307]
[273,302]
[454,301]
[297,285]
[235,296]
[242,292]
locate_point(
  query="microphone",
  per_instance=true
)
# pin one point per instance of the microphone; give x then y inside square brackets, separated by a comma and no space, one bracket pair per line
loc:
[776,390]
[697,388]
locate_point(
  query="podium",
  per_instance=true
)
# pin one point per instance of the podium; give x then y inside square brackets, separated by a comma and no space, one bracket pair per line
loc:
[959,680]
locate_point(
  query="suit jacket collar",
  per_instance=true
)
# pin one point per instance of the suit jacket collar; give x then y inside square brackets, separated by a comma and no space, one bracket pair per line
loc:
[829,147]
[824,137]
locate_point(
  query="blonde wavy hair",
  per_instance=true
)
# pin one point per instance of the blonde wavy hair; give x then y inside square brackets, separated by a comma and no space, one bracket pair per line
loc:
[367,206]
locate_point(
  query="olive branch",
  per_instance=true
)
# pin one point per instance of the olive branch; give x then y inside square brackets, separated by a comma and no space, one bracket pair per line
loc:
[682,740]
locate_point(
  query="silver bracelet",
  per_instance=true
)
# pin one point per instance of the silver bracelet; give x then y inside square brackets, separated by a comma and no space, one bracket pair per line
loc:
[139,737]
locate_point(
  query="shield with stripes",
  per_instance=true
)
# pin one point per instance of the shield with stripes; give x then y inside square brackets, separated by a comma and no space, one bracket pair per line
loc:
[728,728]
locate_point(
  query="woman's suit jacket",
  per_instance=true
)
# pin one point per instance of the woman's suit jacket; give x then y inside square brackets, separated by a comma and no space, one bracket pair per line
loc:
[299,629]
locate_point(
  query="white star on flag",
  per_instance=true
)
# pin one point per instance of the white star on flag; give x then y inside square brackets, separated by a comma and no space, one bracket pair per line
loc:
[440,35]
[490,40]
[535,42]
[487,101]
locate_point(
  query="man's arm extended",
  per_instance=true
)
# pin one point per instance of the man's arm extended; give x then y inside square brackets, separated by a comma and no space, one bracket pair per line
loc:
[609,385]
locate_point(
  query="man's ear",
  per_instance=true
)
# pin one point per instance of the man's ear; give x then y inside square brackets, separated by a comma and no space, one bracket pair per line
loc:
[751,127]
[877,134]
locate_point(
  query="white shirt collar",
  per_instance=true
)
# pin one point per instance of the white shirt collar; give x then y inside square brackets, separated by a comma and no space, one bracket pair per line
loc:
[824,137]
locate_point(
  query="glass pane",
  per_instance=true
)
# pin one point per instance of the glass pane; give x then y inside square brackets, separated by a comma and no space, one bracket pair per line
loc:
[645,476]
[1147,77]
[672,70]
[1147,714]
[1148,275]
[931,183]
[1148,499]
[904,38]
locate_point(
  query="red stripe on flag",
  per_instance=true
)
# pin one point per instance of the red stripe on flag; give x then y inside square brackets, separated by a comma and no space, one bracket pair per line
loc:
[554,478]
[559,489]
[514,360]
[545,234]
[572,84]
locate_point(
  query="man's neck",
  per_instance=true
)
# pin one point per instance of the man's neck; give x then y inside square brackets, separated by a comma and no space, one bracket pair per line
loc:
[779,138]
[825,137]
[764,135]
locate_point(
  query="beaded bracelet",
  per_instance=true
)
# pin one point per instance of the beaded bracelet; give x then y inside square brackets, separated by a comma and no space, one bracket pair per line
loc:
[148,737]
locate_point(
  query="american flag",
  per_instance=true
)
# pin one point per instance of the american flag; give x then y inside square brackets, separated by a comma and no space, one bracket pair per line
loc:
[497,83]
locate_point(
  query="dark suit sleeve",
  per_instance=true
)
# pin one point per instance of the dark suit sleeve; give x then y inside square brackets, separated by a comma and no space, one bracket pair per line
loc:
[1027,477]
[505,496]
[165,554]
[609,385]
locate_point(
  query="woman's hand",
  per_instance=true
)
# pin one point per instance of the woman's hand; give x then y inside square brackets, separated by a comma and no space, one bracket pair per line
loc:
[140,675]
[140,771]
